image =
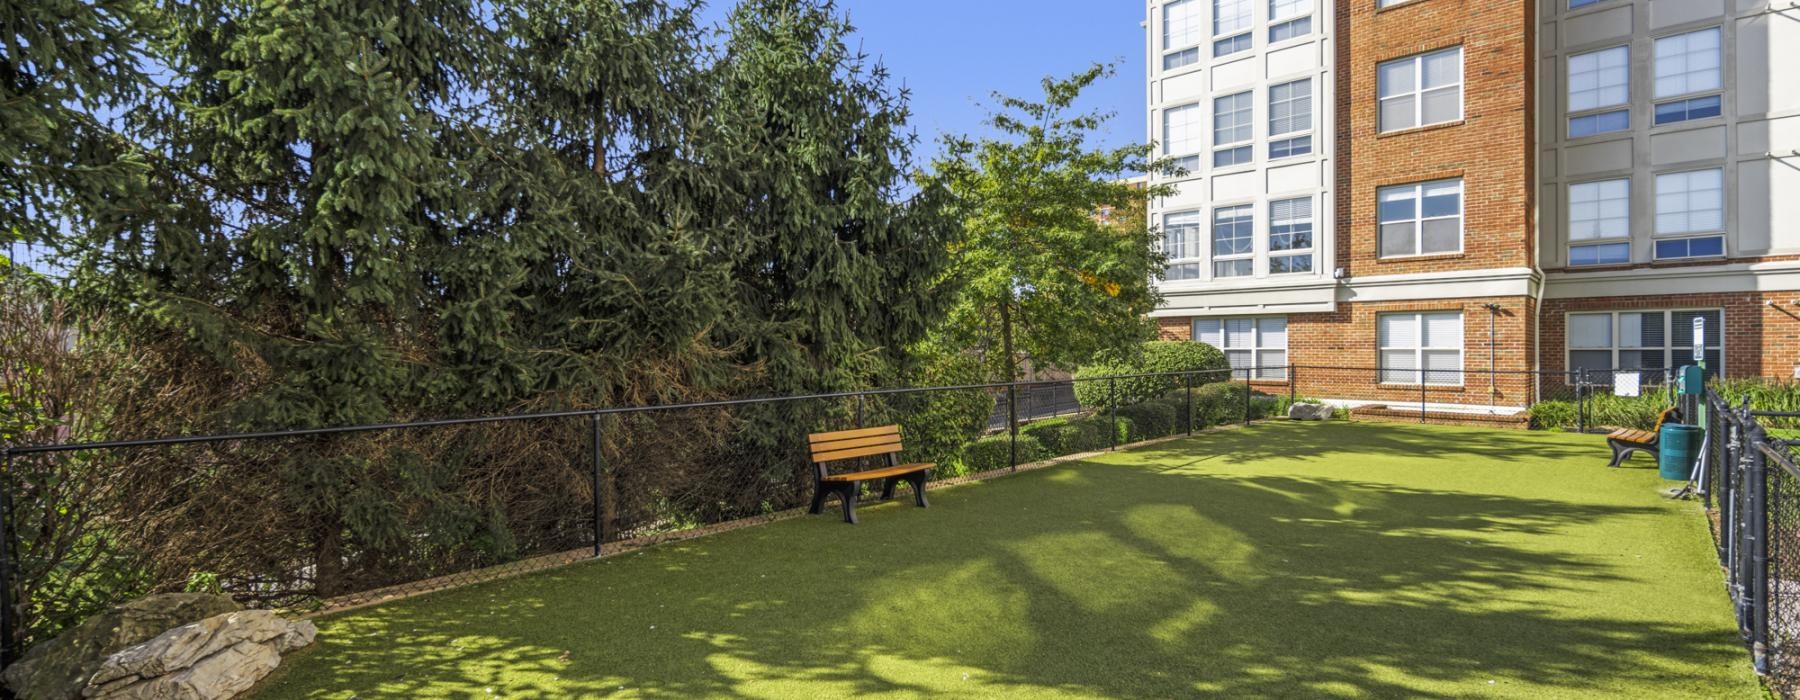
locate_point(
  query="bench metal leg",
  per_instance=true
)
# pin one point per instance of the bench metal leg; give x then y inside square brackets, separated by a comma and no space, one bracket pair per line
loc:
[887,488]
[1623,450]
[818,502]
[848,496]
[917,480]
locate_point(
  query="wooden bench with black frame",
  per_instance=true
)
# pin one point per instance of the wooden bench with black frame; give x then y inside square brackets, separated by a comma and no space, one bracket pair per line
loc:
[1625,441]
[841,445]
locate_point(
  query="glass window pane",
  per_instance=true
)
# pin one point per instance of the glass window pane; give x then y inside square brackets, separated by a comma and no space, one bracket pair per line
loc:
[1230,16]
[1272,332]
[1442,236]
[1603,254]
[1209,331]
[1273,364]
[1443,199]
[1443,330]
[1395,77]
[1590,330]
[1443,68]
[1599,79]
[1687,62]
[1397,330]
[1240,332]
[1181,24]
[1590,359]
[1442,106]
[1397,239]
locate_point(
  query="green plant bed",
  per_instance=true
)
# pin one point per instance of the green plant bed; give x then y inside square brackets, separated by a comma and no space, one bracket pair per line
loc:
[1065,436]
[1158,356]
[996,452]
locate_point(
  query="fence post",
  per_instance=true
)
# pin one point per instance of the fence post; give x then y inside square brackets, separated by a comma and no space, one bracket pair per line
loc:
[1112,403]
[1421,394]
[1292,380]
[1247,372]
[1012,425]
[1581,400]
[859,410]
[599,497]
[1187,381]
[1759,549]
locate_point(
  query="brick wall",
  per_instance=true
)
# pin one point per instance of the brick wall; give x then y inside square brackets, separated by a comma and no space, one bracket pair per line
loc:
[1179,328]
[1760,339]
[1490,148]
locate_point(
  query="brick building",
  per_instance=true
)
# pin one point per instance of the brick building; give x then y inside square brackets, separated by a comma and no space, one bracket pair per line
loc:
[1459,193]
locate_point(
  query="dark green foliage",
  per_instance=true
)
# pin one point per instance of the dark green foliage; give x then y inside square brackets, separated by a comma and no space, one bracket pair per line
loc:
[356,211]
[1152,419]
[990,453]
[1036,274]
[1216,404]
[935,425]
[1153,357]
[1063,436]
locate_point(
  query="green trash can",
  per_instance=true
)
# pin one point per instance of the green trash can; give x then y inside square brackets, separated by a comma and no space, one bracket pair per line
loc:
[1675,456]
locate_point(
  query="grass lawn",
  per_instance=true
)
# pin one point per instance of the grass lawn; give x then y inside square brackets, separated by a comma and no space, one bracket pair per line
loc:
[1295,560]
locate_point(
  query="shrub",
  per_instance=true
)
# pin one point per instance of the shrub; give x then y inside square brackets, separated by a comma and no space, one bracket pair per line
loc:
[1065,436]
[990,453]
[1155,356]
[1151,419]
[936,424]
[1552,415]
[1216,404]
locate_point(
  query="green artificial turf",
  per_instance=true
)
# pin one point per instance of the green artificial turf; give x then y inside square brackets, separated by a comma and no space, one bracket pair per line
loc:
[1291,560]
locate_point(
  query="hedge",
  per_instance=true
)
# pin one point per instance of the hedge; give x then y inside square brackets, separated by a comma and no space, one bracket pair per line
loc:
[1155,356]
[990,453]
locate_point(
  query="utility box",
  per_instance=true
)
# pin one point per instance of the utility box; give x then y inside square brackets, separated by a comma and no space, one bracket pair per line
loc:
[1691,380]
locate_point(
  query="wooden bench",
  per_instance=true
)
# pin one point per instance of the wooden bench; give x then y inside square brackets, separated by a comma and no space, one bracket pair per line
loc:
[1625,441]
[854,444]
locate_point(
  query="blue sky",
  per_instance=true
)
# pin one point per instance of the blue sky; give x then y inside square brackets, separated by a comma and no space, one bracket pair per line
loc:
[953,54]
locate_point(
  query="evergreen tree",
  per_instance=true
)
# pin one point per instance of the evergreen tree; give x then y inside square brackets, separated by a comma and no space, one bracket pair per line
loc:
[1039,275]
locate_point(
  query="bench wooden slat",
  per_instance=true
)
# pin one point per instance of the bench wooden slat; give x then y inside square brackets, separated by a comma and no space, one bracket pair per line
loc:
[837,435]
[881,473]
[823,447]
[855,452]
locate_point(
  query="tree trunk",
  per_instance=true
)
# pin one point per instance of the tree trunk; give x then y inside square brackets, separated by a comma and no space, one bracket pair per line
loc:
[328,558]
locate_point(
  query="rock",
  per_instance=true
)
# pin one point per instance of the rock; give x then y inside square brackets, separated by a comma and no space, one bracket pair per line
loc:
[1310,411]
[59,668]
[227,673]
[218,657]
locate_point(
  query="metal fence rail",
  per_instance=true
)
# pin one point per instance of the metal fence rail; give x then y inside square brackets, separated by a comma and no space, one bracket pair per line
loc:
[534,490]
[1750,486]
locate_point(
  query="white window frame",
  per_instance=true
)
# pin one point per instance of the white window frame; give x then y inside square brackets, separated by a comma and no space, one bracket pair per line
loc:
[1418,90]
[1187,54]
[1419,218]
[1189,250]
[1195,123]
[1299,11]
[1714,335]
[1623,238]
[1598,109]
[1248,125]
[1420,350]
[1658,231]
[1221,34]
[1312,226]
[1261,349]
[1212,240]
[1303,97]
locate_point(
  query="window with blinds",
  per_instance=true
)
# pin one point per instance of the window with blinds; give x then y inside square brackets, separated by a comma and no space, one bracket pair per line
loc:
[1181,243]
[1255,347]
[1604,342]
[1290,236]
[1415,346]
[1290,119]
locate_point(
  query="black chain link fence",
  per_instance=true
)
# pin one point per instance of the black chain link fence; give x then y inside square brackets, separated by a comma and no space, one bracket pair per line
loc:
[328,519]
[1750,485]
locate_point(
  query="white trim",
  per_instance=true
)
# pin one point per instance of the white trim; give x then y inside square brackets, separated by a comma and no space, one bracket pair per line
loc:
[1708,279]
[1496,282]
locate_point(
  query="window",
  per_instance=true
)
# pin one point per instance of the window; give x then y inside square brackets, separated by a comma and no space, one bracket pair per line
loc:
[1290,236]
[1577,4]
[1687,63]
[1182,136]
[1599,123]
[1290,112]
[1599,80]
[1231,125]
[1259,343]
[1420,90]
[1689,203]
[1181,243]
[1390,3]
[1420,219]
[1655,340]
[1181,33]
[1600,211]
[1289,19]
[1231,26]
[1684,110]
[1416,346]
[1233,241]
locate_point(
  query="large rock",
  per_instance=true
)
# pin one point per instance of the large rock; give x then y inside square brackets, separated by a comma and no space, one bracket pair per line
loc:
[218,657]
[1310,411]
[59,668]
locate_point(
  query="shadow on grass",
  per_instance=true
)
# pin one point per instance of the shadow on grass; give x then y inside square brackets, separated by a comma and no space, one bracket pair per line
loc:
[1126,580]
